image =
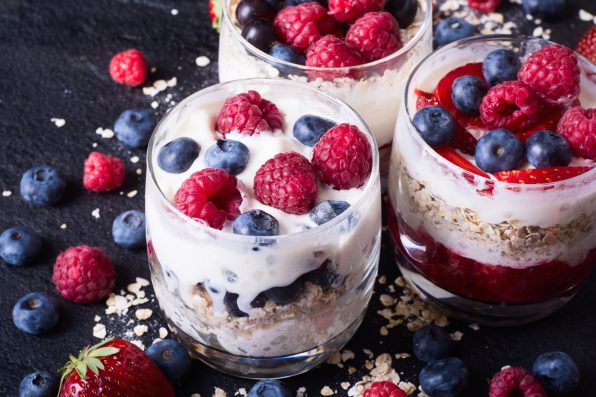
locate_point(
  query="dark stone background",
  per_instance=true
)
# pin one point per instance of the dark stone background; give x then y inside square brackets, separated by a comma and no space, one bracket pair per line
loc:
[53,63]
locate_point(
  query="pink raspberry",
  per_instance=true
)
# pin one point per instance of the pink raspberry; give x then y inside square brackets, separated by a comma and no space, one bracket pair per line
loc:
[331,52]
[103,172]
[209,196]
[374,36]
[384,389]
[515,382]
[84,274]
[578,126]
[343,157]
[510,105]
[485,6]
[129,68]
[553,74]
[249,114]
[349,11]
[287,182]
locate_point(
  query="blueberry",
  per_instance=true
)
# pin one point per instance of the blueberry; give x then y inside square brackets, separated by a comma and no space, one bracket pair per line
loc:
[286,53]
[275,4]
[432,343]
[39,384]
[134,127]
[231,156]
[260,33]
[549,9]
[467,93]
[547,149]
[256,223]
[42,185]
[287,294]
[128,229]
[500,66]
[19,246]
[557,372]
[270,388]
[171,358]
[308,129]
[325,276]
[231,302]
[403,10]
[452,29]
[35,313]
[249,10]
[327,210]
[435,125]
[178,155]
[499,150]
[444,378]
[297,2]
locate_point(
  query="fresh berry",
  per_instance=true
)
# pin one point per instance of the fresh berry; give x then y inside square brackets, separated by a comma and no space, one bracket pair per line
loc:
[586,45]
[435,125]
[128,229]
[348,11]
[209,196]
[515,382]
[231,302]
[548,121]
[402,10]
[510,105]
[134,127]
[557,373]
[384,389]
[260,33]
[499,150]
[541,175]
[500,66]
[444,378]
[331,52]
[553,74]
[452,29]
[39,384]
[325,276]
[19,246]
[113,368]
[467,93]
[485,6]
[103,172]
[308,129]
[287,294]
[250,10]
[42,185]
[256,223]
[286,53]
[270,388]
[463,140]
[442,94]
[287,182]
[547,149]
[325,211]
[578,126]
[296,2]
[432,343]
[457,159]
[84,274]
[544,8]
[172,358]
[375,35]
[35,313]
[178,155]
[129,68]
[248,113]
[228,155]
[343,157]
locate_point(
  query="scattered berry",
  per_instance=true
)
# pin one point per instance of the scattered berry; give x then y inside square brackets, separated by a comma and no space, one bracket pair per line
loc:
[228,155]
[435,125]
[172,358]
[39,384]
[260,33]
[500,66]
[256,223]
[327,210]
[432,343]
[348,11]
[128,229]
[103,172]
[547,149]
[270,388]
[541,175]
[511,105]
[308,129]
[19,246]
[515,382]
[557,373]
[402,10]
[485,6]
[250,10]
[586,45]
[499,150]
[331,52]
[374,35]
[452,29]
[42,185]
[249,114]
[286,53]
[134,127]
[35,313]
[444,378]
[178,155]
[129,68]
[544,8]
[467,93]
[384,389]
[578,127]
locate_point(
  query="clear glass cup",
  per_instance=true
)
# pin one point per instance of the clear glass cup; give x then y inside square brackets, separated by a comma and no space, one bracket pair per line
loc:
[197,270]
[373,89]
[487,251]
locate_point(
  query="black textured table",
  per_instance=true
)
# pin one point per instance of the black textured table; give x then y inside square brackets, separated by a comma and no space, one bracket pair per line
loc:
[53,64]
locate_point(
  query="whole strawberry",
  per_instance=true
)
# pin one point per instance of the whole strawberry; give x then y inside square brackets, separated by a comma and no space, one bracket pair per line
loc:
[113,368]
[587,44]
[215,13]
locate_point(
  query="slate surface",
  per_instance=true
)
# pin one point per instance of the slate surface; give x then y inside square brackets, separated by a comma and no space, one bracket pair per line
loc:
[53,63]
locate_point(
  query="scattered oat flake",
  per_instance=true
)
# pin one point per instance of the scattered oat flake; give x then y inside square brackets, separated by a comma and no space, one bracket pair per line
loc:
[382,279]
[241,392]
[457,336]
[99,331]
[401,356]
[172,82]
[174,11]
[143,314]
[327,391]
[301,392]
[105,132]
[142,282]
[154,104]
[202,61]
[474,326]
[585,15]
[383,331]
[134,159]
[195,395]
[163,332]
[58,122]
[95,213]
[219,392]
[345,385]
[139,171]
[63,226]
[131,194]
[140,330]
[6,193]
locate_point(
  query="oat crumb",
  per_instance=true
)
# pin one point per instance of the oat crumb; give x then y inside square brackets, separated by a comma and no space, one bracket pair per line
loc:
[202,61]
[99,331]
[475,326]
[95,213]
[58,122]
[63,226]
[143,314]
[96,318]
[327,391]
[163,332]
[140,330]
[174,11]
[132,193]
[219,392]
[105,132]
[138,344]
[345,385]
[6,193]
[457,336]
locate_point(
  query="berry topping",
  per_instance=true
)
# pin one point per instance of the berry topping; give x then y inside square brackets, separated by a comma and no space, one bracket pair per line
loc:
[249,114]
[129,68]
[42,185]
[250,10]
[348,11]
[84,274]
[210,196]
[39,384]
[286,53]
[402,10]
[447,377]
[454,157]
[515,382]
[19,246]
[287,182]
[325,276]
[384,389]
[499,150]
[544,8]
[435,125]
[557,373]
[331,52]
[134,127]
[327,210]
[510,105]
[375,35]
[485,6]
[452,29]
[343,157]
[547,149]
[586,45]
[541,175]
[128,229]
[171,357]
[270,388]
[553,73]
[103,172]
[463,140]
[228,155]
[308,129]
[287,294]
[500,66]
[296,2]
[432,343]
[467,93]
[178,155]
[256,223]
[578,126]
[260,33]
[442,94]
[35,313]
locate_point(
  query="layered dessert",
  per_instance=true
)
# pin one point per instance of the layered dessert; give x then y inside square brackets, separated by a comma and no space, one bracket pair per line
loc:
[492,180]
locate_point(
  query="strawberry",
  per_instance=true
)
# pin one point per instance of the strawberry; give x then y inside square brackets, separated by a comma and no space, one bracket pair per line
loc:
[215,12]
[424,99]
[540,175]
[459,160]
[114,368]
[548,122]
[587,44]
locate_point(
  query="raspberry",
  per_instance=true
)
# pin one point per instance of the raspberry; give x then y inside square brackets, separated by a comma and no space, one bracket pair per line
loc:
[350,10]
[331,52]
[209,196]
[578,126]
[129,68]
[287,182]
[553,74]
[301,25]
[343,157]
[84,274]
[510,105]
[515,382]
[248,113]
[485,6]
[587,44]
[103,172]
[384,389]
[374,36]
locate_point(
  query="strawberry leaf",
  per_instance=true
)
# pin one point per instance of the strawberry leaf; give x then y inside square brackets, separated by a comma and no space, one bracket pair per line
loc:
[103,352]
[81,370]
[93,363]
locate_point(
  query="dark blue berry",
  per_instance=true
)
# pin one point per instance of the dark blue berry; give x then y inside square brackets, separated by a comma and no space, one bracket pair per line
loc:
[128,229]
[547,149]
[260,33]
[403,10]
[500,66]
[557,373]
[171,358]
[134,127]
[228,155]
[308,129]
[35,313]
[435,125]
[42,185]
[327,210]
[270,388]
[452,29]
[549,9]
[256,223]
[325,276]
[275,4]
[231,302]
[432,343]
[297,2]
[286,53]
[249,10]
[39,384]
[287,294]
[444,378]
[19,246]
[467,93]
[499,150]
[178,155]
